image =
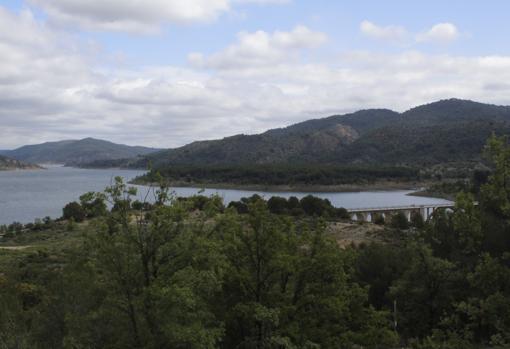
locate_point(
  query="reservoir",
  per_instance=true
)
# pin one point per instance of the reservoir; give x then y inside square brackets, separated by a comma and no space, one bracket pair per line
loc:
[27,195]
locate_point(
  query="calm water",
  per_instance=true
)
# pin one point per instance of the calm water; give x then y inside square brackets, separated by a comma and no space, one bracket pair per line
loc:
[26,195]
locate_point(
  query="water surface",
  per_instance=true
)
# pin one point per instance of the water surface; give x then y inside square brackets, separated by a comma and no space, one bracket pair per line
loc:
[26,195]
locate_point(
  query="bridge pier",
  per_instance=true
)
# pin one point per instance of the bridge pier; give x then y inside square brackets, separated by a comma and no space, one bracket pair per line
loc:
[369,214]
[359,217]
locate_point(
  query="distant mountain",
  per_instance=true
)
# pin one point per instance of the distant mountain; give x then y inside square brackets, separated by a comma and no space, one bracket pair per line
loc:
[76,152]
[444,131]
[309,141]
[7,164]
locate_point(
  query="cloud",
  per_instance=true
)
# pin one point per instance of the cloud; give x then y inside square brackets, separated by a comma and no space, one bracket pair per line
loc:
[261,48]
[136,16]
[51,87]
[440,33]
[140,16]
[390,33]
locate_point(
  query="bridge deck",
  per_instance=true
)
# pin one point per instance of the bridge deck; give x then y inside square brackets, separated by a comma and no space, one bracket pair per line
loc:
[398,208]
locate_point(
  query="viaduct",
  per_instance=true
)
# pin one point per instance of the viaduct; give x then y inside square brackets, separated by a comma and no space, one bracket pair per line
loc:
[366,214]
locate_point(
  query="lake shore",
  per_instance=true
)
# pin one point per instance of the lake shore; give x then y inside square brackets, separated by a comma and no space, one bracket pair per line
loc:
[340,188]
[433,194]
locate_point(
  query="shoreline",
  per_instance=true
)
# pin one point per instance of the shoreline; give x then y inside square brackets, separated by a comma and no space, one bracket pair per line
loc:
[433,194]
[15,169]
[416,187]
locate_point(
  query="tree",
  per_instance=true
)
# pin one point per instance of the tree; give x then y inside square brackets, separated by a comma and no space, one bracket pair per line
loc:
[495,197]
[93,204]
[424,292]
[467,225]
[417,220]
[292,289]
[378,218]
[399,221]
[277,205]
[158,273]
[314,206]
[75,211]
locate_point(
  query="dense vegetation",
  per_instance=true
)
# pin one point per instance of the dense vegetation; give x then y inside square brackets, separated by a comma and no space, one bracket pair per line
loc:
[282,175]
[190,273]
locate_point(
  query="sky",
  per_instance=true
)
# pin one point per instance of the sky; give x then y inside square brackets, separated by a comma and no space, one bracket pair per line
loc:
[164,73]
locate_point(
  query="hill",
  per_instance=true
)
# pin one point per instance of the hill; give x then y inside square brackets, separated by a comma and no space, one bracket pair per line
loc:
[444,131]
[7,164]
[76,152]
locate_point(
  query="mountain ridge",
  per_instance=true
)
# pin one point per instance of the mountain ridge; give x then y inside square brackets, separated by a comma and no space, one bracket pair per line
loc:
[450,130]
[76,152]
[423,135]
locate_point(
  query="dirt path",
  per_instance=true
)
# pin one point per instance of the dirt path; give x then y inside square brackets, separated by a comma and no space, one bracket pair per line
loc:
[14,248]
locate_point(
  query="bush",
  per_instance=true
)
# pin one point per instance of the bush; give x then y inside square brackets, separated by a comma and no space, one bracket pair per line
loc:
[293,203]
[239,206]
[417,220]
[314,206]
[277,205]
[75,211]
[93,205]
[341,213]
[378,218]
[399,221]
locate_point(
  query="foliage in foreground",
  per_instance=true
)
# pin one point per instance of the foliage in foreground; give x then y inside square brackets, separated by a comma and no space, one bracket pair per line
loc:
[192,274]
[176,277]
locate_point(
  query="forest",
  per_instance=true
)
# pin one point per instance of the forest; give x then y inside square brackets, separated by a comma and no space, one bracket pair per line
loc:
[292,175]
[192,273]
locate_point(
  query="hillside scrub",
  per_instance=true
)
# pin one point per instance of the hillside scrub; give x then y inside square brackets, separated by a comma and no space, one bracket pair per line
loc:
[192,273]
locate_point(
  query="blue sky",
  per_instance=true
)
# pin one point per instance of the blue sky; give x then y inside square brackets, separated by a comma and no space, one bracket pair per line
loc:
[181,71]
[483,25]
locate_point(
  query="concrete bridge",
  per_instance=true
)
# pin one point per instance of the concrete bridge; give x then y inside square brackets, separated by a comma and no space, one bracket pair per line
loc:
[366,214]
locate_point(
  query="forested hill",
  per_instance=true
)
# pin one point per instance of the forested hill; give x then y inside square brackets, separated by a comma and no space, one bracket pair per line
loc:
[444,131]
[76,152]
[11,164]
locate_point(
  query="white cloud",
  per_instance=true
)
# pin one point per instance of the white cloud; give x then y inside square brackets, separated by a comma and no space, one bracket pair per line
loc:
[441,33]
[390,33]
[141,16]
[136,16]
[261,48]
[51,89]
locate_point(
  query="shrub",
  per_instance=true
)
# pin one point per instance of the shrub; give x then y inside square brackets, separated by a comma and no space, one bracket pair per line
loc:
[378,218]
[239,206]
[399,221]
[341,213]
[277,205]
[417,220]
[314,206]
[74,210]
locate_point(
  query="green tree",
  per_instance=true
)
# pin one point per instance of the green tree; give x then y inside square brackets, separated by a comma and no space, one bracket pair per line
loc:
[495,197]
[314,206]
[155,273]
[424,292]
[93,204]
[292,289]
[75,211]
[417,220]
[277,205]
[399,221]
